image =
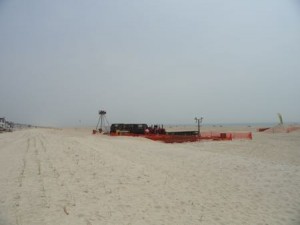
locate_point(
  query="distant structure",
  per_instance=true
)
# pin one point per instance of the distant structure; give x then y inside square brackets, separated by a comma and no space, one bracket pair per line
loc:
[199,121]
[280,118]
[2,123]
[102,121]
[5,126]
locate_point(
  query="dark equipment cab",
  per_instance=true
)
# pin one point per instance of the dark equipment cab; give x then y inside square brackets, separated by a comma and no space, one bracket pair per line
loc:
[135,128]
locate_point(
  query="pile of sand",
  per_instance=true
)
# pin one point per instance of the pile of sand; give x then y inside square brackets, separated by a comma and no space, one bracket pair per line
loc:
[280,128]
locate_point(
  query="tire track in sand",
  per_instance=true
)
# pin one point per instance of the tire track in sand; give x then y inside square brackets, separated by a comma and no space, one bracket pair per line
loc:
[30,197]
[53,181]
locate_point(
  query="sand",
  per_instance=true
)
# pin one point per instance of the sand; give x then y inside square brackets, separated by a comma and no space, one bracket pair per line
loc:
[68,176]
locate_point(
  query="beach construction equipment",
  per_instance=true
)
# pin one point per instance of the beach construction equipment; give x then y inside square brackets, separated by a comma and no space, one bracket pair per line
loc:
[159,133]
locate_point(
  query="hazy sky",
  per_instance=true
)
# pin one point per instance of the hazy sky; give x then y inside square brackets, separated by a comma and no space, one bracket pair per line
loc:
[163,61]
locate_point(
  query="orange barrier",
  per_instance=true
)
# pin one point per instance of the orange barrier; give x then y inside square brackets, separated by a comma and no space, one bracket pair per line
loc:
[242,135]
[169,138]
[226,136]
[173,138]
[215,135]
[291,129]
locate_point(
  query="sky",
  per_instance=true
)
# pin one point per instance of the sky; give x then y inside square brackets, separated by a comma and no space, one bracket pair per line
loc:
[158,61]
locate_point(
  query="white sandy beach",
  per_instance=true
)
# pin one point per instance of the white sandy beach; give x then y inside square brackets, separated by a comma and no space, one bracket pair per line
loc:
[69,176]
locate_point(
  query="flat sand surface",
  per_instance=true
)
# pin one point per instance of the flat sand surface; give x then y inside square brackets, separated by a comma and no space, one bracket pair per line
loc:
[69,176]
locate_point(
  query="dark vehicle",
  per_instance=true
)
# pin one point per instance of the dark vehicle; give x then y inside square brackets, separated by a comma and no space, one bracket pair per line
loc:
[130,128]
[116,127]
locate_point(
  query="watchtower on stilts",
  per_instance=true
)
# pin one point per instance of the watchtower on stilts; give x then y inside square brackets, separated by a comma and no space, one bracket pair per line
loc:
[102,122]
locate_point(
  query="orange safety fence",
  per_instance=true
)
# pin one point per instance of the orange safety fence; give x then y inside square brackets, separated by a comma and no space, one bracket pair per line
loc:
[173,138]
[291,129]
[227,136]
[247,135]
[215,136]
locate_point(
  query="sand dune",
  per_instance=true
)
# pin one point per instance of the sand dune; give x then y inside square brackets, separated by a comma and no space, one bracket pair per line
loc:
[68,176]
